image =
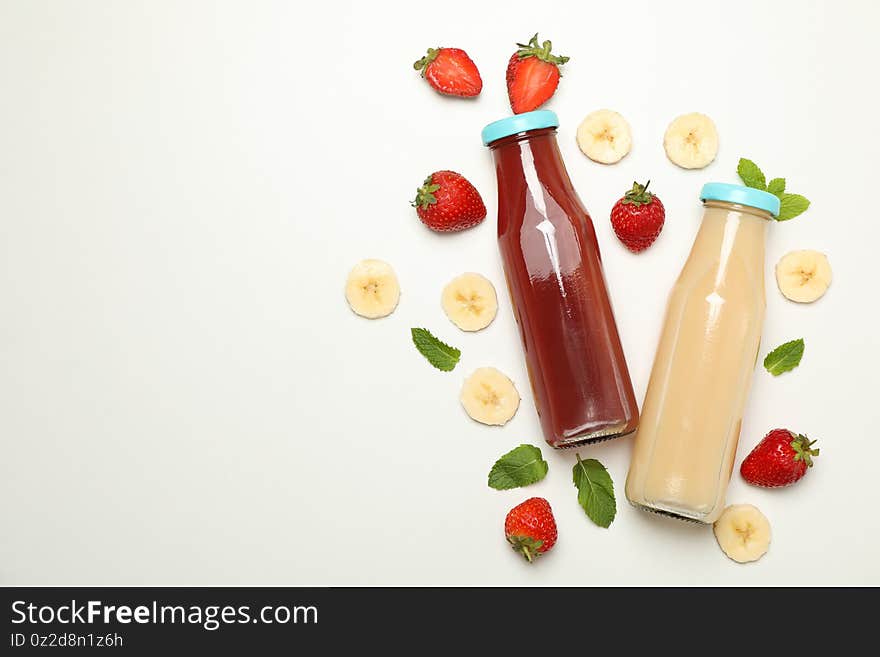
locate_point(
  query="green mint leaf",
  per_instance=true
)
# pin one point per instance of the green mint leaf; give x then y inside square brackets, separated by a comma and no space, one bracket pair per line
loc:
[791,205]
[785,357]
[595,491]
[776,186]
[751,175]
[519,467]
[439,354]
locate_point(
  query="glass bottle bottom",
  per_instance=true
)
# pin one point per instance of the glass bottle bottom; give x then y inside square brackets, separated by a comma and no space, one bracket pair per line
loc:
[670,513]
[594,436]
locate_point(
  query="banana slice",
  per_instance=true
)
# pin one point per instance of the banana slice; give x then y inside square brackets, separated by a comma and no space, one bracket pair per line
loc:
[743,533]
[489,397]
[691,141]
[372,289]
[469,301]
[803,276]
[604,136]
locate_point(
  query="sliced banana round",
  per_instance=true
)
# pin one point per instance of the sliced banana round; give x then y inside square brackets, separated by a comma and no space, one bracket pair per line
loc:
[691,141]
[803,276]
[743,533]
[604,136]
[372,289]
[489,396]
[470,302]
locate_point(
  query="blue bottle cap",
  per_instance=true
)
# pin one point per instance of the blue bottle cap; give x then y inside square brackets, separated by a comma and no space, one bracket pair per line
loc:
[754,198]
[518,123]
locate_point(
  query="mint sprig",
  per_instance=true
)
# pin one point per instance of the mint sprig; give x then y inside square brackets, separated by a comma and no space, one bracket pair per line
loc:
[521,466]
[595,491]
[785,357]
[790,205]
[438,353]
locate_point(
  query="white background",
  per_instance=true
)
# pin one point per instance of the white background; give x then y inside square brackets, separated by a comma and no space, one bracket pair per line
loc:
[186,398]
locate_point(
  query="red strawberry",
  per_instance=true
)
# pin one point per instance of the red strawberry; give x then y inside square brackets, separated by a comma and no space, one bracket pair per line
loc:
[780,459]
[638,218]
[450,71]
[448,202]
[530,527]
[532,75]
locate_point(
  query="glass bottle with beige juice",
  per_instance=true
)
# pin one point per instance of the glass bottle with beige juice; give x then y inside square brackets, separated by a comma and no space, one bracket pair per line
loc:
[686,443]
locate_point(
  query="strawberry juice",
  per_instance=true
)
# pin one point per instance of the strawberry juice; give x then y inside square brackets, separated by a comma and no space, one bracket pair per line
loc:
[553,267]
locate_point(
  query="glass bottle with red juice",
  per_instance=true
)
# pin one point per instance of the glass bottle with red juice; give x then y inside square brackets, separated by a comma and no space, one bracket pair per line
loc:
[576,365]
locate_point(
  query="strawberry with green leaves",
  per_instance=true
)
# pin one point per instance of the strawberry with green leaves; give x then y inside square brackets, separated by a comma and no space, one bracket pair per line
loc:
[532,75]
[780,459]
[530,528]
[448,202]
[637,218]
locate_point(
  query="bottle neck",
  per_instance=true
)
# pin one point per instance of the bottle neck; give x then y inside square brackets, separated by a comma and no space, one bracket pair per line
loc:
[742,209]
[728,229]
[531,158]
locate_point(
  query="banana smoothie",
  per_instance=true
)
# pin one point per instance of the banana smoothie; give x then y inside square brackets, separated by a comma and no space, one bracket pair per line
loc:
[686,443]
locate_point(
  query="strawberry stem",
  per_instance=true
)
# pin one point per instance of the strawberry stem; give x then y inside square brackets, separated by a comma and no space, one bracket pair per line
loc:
[638,195]
[422,64]
[801,446]
[526,546]
[542,51]
[425,194]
